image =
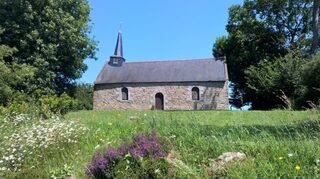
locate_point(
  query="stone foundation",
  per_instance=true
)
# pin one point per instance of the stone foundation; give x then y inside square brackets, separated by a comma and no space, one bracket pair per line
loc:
[177,96]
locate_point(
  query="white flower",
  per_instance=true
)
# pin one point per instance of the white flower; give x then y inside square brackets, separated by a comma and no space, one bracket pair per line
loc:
[3,168]
[96,146]
[290,155]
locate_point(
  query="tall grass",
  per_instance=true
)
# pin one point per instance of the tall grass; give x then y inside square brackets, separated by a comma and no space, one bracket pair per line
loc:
[275,142]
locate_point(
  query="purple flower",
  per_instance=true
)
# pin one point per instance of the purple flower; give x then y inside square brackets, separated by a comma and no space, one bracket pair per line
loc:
[143,145]
[98,167]
[147,145]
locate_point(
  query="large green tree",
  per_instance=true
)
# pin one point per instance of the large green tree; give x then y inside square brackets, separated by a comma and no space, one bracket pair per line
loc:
[13,76]
[52,36]
[262,30]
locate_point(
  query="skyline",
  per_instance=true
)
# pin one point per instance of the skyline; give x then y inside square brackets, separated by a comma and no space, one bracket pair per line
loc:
[152,31]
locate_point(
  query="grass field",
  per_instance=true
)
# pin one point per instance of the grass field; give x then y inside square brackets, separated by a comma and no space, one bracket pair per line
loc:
[283,144]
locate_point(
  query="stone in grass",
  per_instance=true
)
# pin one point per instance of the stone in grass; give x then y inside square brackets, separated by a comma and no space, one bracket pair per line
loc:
[134,118]
[218,166]
[228,158]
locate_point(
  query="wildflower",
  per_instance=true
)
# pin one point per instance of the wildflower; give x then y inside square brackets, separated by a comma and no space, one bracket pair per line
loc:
[96,146]
[143,145]
[145,114]
[297,167]
[3,168]
[110,124]
[281,158]
[290,155]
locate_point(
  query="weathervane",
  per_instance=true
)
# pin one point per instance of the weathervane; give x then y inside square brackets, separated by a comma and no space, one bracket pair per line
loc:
[120,27]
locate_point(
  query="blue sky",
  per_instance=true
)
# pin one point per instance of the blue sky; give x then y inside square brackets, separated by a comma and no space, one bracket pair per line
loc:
[156,29]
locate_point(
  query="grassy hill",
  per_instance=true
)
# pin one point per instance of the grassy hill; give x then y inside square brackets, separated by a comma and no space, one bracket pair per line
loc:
[276,143]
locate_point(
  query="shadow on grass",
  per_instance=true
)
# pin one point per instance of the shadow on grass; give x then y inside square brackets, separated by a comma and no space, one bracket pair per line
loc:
[306,129]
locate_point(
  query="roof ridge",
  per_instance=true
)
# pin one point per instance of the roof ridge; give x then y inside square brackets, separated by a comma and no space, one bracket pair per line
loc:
[172,60]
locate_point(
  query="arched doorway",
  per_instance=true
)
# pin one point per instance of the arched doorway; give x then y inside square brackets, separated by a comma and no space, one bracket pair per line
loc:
[159,101]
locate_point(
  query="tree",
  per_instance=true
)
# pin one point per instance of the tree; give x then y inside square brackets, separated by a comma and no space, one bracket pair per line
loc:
[311,82]
[276,83]
[12,76]
[84,96]
[50,35]
[262,30]
[315,27]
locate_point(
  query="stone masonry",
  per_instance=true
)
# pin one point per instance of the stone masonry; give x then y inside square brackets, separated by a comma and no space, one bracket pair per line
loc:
[177,96]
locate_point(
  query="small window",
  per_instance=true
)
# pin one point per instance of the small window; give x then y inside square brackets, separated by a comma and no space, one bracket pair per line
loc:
[124,92]
[195,93]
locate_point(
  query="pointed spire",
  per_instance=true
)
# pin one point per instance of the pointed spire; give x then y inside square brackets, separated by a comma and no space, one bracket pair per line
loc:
[118,51]
[117,59]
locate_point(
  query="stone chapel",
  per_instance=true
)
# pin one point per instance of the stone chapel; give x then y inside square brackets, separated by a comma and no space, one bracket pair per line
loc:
[195,84]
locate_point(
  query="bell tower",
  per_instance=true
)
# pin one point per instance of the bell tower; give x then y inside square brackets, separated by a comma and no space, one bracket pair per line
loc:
[117,58]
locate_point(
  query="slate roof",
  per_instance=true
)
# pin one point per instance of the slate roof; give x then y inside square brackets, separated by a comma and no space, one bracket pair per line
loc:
[195,70]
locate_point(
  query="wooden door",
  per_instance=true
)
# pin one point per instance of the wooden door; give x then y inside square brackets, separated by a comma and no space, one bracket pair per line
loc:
[159,101]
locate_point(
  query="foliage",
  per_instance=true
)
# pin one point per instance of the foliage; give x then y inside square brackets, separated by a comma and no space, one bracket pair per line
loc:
[262,30]
[51,104]
[84,95]
[17,73]
[289,82]
[275,84]
[311,81]
[51,37]
[136,159]
[41,105]
[63,173]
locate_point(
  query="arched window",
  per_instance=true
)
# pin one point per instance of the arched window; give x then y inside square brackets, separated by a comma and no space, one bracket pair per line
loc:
[125,94]
[195,93]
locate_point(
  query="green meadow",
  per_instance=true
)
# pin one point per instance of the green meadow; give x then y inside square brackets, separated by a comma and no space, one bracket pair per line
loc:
[277,144]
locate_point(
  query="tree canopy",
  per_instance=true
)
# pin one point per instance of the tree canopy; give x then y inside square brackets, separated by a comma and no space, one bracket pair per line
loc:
[260,34]
[50,37]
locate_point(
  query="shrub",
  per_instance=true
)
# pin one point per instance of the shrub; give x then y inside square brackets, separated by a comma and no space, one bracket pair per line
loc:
[141,158]
[40,105]
[84,95]
[52,104]
[2,110]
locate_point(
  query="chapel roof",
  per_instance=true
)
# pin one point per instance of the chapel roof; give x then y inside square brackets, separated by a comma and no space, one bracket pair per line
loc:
[194,70]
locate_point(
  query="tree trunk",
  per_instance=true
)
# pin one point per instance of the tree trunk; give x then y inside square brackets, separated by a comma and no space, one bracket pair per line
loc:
[315,27]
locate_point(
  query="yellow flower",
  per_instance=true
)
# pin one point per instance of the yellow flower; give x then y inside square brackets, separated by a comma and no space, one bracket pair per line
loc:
[297,167]
[281,158]
[110,124]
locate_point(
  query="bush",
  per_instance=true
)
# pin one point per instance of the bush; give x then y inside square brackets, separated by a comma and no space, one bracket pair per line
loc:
[311,82]
[141,158]
[51,104]
[41,105]
[2,110]
[84,95]
[275,84]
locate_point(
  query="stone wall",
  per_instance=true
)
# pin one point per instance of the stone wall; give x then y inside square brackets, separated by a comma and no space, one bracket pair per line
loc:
[177,96]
